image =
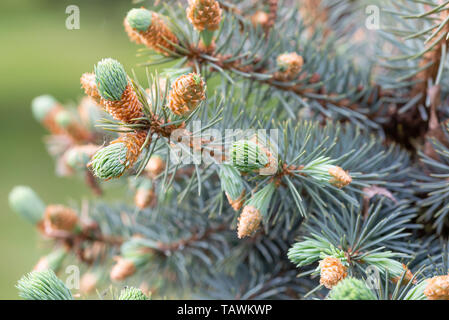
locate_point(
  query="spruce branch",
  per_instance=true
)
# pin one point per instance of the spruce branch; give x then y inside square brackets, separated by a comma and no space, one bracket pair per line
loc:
[267,145]
[43,285]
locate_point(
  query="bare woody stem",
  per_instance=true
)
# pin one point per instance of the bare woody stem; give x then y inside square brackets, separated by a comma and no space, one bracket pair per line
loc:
[197,236]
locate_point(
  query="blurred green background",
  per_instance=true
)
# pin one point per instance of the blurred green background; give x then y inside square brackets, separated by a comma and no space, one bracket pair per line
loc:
[39,55]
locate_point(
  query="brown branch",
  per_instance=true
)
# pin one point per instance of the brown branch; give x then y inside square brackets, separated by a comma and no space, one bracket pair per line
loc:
[76,241]
[300,89]
[198,236]
[89,233]
[396,128]
[411,122]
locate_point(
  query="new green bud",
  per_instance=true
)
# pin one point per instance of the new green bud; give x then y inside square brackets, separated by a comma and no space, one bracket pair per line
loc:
[43,285]
[79,156]
[319,168]
[56,258]
[42,105]
[139,19]
[111,79]
[231,181]
[131,293]
[27,204]
[384,262]
[77,160]
[63,118]
[311,250]
[247,156]
[262,198]
[110,162]
[351,289]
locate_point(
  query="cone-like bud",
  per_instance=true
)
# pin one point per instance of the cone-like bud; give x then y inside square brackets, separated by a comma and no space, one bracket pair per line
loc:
[111,79]
[340,178]
[155,166]
[145,195]
[272,166]
[204,14]
[59,217]
[351,289]
[249,221]
[118,96]
[134,254]
[290,64]
[133,34]
[89,84]
[43,285]
[123,269]
[149,28]
[78,157]
[131,293]
[255,208]
[44,109]
[121,154]
[139,19]
[51,261]
[186,94]
[332,271]
[437,288]
[247,156]
[27,204]
[88,282]
[260,18]
[110,162]
[42,105]
[232,185]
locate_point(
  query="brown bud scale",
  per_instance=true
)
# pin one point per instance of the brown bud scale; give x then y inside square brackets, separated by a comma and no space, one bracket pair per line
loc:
[156,34]
[204,14]
[186,93]
[132,34]
[133,142]
[237,203]
[90,86]
[127,108]
[49,121]
[407,278]
[59,217]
